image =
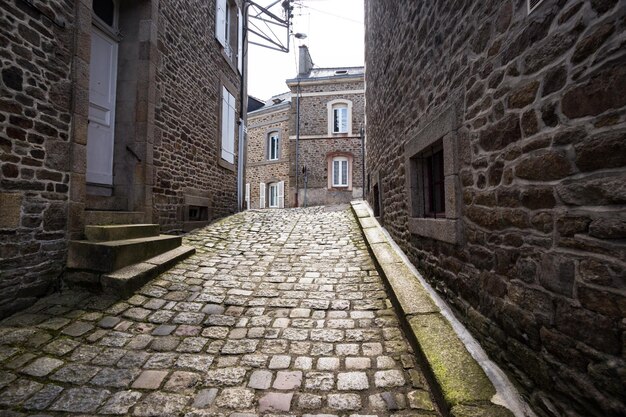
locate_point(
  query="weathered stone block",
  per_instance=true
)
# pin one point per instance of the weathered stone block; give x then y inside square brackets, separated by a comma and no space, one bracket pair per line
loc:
[10,210]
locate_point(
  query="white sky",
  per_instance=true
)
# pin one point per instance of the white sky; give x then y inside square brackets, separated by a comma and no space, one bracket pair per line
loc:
[335,37]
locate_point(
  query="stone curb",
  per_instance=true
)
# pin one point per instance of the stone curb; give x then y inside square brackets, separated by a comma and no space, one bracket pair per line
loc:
[459,383]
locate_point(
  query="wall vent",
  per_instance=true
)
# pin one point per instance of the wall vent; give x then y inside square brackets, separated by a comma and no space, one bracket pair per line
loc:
[533,4]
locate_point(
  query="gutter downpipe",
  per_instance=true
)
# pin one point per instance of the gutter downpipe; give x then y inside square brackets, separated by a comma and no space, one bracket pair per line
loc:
[297,138]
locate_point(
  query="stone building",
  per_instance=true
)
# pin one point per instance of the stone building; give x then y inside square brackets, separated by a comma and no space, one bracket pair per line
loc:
[112,112]
[327,105]
[501,169]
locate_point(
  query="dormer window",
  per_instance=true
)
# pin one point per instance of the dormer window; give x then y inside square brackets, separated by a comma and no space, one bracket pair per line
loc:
[341,72]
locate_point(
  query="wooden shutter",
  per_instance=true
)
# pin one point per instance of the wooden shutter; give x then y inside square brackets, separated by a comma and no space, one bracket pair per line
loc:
[262,195]
[248,196]
[220,21]
[240,40]
[281,194]
[228,126]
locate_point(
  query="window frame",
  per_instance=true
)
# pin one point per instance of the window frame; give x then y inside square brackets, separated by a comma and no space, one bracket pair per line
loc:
[338,104]
[274,134]
[444,131]
[331,157]
[343,176]
[272,195]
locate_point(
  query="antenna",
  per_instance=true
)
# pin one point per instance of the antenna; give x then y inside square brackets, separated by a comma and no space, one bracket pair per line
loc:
[266,27]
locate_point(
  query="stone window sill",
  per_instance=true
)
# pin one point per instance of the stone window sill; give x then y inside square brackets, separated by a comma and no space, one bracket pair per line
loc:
[225,164]
[445,230]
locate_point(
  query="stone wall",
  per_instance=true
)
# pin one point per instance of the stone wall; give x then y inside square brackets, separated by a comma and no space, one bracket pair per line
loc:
[258,168]
[35,126]
[187,136]
[314,109]
[539,166]
[314,154]
[316,145]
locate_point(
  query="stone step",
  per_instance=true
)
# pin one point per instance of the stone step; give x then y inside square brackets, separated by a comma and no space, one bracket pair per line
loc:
[125,281]
[103,217]
[113,255]
[105,233]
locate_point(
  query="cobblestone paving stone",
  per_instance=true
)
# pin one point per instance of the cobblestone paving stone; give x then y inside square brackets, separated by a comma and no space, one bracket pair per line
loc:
[280,312]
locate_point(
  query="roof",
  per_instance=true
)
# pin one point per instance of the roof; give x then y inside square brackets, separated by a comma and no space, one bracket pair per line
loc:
[330,73]
[275,102]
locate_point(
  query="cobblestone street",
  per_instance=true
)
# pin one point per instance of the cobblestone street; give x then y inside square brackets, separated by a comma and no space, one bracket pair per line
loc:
[279,312]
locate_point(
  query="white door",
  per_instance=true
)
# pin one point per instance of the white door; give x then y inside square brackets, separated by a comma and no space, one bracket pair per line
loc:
[102,83]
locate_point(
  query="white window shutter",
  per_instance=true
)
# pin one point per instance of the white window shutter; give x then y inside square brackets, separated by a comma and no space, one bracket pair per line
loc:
[231,129]
[240,40]
[228,126]
[248,196]
[220,21]
[262,195]
[281,194]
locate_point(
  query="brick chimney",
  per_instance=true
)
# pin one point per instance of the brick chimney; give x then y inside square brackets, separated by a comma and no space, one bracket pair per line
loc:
[305,62]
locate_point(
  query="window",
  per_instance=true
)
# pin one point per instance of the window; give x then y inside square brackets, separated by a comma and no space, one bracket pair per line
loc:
[275,194]
[273,146]
[340,172]
[247,196]
[229,29]
[273,197]
[106,11]
[228,126]
[339,117]
[433,185]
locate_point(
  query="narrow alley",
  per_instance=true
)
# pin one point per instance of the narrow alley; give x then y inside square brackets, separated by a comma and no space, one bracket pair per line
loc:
[279,311]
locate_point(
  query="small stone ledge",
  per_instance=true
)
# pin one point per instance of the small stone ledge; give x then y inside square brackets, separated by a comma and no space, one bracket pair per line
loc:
[464,388]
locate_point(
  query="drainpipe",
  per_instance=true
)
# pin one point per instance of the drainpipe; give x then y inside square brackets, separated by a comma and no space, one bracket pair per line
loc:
[243,99]
[297,136]
[362,133]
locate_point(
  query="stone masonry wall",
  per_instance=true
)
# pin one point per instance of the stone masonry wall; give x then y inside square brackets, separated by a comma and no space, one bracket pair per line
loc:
[313,155]
[258,168]
[189,78]
[538,271]
[35,129]
[314,109]
[316,144]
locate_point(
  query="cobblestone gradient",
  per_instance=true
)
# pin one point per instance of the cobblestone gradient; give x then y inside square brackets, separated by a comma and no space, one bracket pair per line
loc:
[281,312]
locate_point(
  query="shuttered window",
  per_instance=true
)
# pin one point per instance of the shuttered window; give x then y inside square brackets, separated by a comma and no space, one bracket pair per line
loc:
[221,13]
[228,126]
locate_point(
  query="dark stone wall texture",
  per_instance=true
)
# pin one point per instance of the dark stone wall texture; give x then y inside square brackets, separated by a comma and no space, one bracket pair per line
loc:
[190,74]
[539,272]
[35,127]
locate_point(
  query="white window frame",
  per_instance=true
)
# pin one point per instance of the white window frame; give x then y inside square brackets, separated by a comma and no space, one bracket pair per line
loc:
[273,144]
[334,108]
[228,126]
[342,180]
[272,195]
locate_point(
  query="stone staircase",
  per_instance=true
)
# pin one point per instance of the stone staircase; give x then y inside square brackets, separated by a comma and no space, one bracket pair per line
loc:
[120,258]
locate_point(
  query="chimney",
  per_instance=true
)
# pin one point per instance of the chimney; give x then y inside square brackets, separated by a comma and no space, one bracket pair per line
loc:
[305,63]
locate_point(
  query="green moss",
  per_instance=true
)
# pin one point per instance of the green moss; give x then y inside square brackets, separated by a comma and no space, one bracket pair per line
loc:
[459,376]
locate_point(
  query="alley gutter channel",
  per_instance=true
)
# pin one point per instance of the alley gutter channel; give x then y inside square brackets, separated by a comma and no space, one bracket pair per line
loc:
[464,381]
